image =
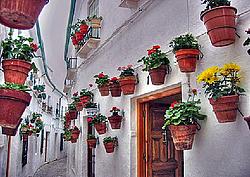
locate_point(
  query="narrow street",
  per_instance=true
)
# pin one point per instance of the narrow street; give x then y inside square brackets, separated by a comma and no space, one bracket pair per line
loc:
[53,169]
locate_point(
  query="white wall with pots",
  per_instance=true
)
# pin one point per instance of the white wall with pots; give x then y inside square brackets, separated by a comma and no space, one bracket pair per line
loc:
[219,149]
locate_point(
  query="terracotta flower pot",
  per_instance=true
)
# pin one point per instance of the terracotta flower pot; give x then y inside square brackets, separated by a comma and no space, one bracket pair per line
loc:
[84,28]
[73,140]
[13,104]
[109,147]
[183,136]
[115,90]
[20,14]
[16,71]
[96,23]
[128,85]
[115,121]
[79,106]
[91,143]
[25,137]
[101,128]
[73,115]
[220,24]
[75,135]
[225,108]
[11,131]
[187,59]
[85,100]
[104,90]
[158,75]
[247,119]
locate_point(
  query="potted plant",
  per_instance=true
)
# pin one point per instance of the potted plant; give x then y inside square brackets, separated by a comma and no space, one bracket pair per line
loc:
[67,135]
[95,21]
[127,79]
[99,122]
[86,95]
[24,131]
[13,100]
[75,132]
[11,131]
[20,14]
[219,19]
[186,50]
[110,143]
[157,64]
[114,87]
[247,41]
[78,31]
[115,119]
[77,102]
[102,82]
[39,125]
[17,55]
[91,141]
[91,108]
[35,116]
[72,111]
[181,118]
[222,87]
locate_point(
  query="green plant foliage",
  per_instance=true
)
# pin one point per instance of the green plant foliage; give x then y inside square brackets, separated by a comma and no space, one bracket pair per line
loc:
[91,105]
[67,135]
[39,88]
[72,107]
[89,18]
[99,118]
[101,79]
[90,137]
[34,117]
[187,41]
[155,59]
[76,27]
[184,113]
[215,3]
[86,92]
[13,86]
[110,140]
[126,71]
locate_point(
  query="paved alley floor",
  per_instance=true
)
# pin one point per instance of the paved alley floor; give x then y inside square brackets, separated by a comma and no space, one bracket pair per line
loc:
[53,169]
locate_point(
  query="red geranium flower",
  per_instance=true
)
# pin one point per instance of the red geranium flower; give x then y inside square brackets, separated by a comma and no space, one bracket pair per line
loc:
[130,66]
[173,104]
[34,47]
[89,120]
[114,79]
[156,47]
[101,75]
[151,51]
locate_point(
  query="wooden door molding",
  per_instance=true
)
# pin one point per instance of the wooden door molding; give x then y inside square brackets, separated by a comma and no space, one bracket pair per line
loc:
[141,109]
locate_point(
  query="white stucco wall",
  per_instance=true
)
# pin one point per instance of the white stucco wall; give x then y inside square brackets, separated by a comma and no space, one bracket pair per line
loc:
[221,150]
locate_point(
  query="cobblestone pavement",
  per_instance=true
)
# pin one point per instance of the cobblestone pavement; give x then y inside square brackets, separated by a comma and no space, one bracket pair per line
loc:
[53,169]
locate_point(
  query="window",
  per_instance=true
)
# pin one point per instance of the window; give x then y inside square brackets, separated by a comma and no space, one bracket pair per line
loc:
[93,8]
[42,138]
[61,142]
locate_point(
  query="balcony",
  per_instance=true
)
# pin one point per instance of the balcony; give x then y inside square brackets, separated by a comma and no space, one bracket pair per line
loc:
[67,85]
[131,4]
[71,68]
[91,41]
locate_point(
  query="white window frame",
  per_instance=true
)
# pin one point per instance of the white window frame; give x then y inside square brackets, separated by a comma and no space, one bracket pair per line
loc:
[93,8]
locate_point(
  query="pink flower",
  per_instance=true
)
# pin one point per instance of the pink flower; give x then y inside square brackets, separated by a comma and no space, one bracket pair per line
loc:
[130,66]
[119,68]
[173,104]
[89,120]
[124,68]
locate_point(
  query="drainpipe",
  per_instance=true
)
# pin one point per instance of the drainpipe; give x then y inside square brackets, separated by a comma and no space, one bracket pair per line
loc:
[8,156]
[44,59]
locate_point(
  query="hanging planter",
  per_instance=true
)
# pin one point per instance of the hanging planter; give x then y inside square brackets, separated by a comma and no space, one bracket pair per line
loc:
[72,111]
[99,122]
[157,64]
[20,14]
[181,119]
[114,87]
[219,20]
[225,108]
[17,55]
[221,85]
[78,105]
[91,141]
[91,109]
[11,131]
[101,128]
[13,103]
[95,21]
[86,95]
[75,132]
[110,143]
[102,82]
[85,100]
[115,120]
[186,50]
[127,79]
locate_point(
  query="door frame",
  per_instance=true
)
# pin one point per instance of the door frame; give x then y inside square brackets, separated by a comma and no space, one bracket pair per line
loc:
[141,104]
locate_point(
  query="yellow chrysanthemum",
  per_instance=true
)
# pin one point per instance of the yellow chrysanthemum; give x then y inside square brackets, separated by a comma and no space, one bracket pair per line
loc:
[209,75]
[229,68]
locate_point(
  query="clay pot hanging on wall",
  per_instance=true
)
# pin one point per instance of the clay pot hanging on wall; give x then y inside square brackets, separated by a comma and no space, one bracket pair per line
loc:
[16,71]
[75,135]
[221,25]
[183,136]
[187,59]
[73,114]
[109,147]
[158,75]
[13,104]
[101,128]
[11,131]
[20,14]
[79,106]
[128,85]
[91,143]
[115,121]
[104,90]
[115,90]
[85,100]
[225,108]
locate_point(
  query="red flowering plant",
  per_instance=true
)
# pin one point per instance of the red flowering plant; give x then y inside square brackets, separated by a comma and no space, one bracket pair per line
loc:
[115,111]
[97,119]
[126,71]
[78,31]
[155,59]
[184,113]
[114,81]
[101,79]
[87,92]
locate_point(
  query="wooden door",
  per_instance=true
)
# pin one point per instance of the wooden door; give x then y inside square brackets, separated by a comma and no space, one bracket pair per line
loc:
[163,159]
[46,146]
